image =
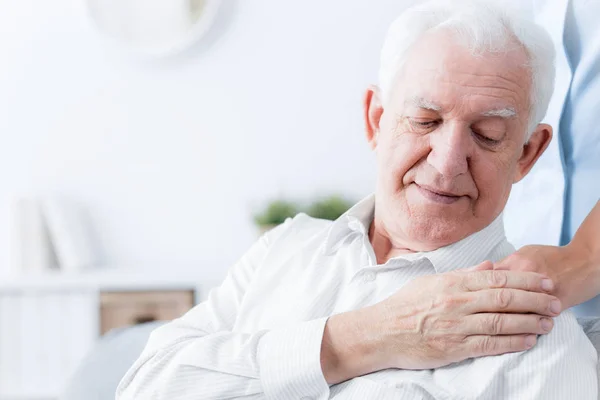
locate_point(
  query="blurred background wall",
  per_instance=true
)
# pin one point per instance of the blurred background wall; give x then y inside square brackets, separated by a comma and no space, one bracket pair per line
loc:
[172,156]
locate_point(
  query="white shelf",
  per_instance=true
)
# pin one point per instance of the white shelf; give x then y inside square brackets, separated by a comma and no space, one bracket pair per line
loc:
[28,396]
[105,279]
[59,302]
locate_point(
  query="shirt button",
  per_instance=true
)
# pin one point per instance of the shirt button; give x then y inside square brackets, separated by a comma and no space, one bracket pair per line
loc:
[369,276]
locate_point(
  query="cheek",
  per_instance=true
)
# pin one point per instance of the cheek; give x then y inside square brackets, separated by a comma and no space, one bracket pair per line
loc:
[493,178]
[397,153]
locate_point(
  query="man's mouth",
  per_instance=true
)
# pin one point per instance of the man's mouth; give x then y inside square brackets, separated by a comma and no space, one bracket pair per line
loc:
[437,195]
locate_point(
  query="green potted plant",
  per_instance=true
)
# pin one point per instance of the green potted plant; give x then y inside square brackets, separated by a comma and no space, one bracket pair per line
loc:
[275,213]
[331,207]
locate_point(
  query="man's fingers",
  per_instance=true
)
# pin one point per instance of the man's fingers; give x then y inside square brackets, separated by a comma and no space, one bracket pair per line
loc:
[490,279]
[484,345]
[513,301]
[507,324]
[484,266]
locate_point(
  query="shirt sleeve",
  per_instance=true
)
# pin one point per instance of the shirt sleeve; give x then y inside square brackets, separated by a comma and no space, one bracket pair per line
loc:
[198,356]
[562,365]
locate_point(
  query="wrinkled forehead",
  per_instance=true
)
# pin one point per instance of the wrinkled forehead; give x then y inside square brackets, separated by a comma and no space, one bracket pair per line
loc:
[442,69]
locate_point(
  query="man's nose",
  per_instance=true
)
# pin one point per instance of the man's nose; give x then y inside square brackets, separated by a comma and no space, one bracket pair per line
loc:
[450,150]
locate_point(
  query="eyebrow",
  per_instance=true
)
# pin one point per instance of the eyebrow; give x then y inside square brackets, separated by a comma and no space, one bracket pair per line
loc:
[506,113]
[420,102]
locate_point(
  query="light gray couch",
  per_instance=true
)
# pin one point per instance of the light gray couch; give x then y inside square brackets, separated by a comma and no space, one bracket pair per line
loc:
[102,369]
[100,372]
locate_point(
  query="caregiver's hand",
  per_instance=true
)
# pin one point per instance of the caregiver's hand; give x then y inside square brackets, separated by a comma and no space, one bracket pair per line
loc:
[440,319]
[569,267]
[574,268]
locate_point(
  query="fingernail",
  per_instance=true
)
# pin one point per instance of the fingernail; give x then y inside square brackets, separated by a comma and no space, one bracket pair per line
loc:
[547,285]
[530,340]
[555,306]
[546,324]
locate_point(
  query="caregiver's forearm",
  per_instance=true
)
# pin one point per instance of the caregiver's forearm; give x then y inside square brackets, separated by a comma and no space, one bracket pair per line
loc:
[586,244]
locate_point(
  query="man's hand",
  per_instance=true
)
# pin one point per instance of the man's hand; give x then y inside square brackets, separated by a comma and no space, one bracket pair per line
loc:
[437,320]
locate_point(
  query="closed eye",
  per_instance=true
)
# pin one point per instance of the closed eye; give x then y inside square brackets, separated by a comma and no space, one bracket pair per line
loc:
[422,124]
[486,140]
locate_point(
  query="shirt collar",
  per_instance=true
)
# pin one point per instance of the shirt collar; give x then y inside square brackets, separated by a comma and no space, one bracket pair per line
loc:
[467,252]
[357,219]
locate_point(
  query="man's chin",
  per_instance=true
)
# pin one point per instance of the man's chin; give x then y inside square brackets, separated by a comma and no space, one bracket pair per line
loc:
[454,212]
[437,229]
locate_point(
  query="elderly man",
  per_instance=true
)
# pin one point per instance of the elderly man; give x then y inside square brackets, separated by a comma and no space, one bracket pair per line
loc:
[370,306]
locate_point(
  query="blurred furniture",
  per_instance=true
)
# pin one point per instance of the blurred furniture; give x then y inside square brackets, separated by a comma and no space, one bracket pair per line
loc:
[118,309]
[102,369]
[49,322]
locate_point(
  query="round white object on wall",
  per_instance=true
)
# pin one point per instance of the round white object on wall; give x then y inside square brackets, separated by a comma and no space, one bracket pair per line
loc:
[153,27]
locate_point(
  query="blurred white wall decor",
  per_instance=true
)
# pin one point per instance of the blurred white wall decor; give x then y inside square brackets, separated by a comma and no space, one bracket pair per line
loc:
[153,27]
[172,156]
[49,233]
[30,247]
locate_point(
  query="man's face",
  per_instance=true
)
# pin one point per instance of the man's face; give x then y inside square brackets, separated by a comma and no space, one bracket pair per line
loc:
[450,141]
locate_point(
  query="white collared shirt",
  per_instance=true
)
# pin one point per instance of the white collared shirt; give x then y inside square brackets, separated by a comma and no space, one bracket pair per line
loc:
[258,336]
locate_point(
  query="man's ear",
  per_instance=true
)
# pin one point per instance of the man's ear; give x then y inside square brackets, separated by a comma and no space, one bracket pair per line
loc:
[532,150]
[373,109]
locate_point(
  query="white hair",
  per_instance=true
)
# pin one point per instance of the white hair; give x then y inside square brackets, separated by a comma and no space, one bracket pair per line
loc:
[484,27]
